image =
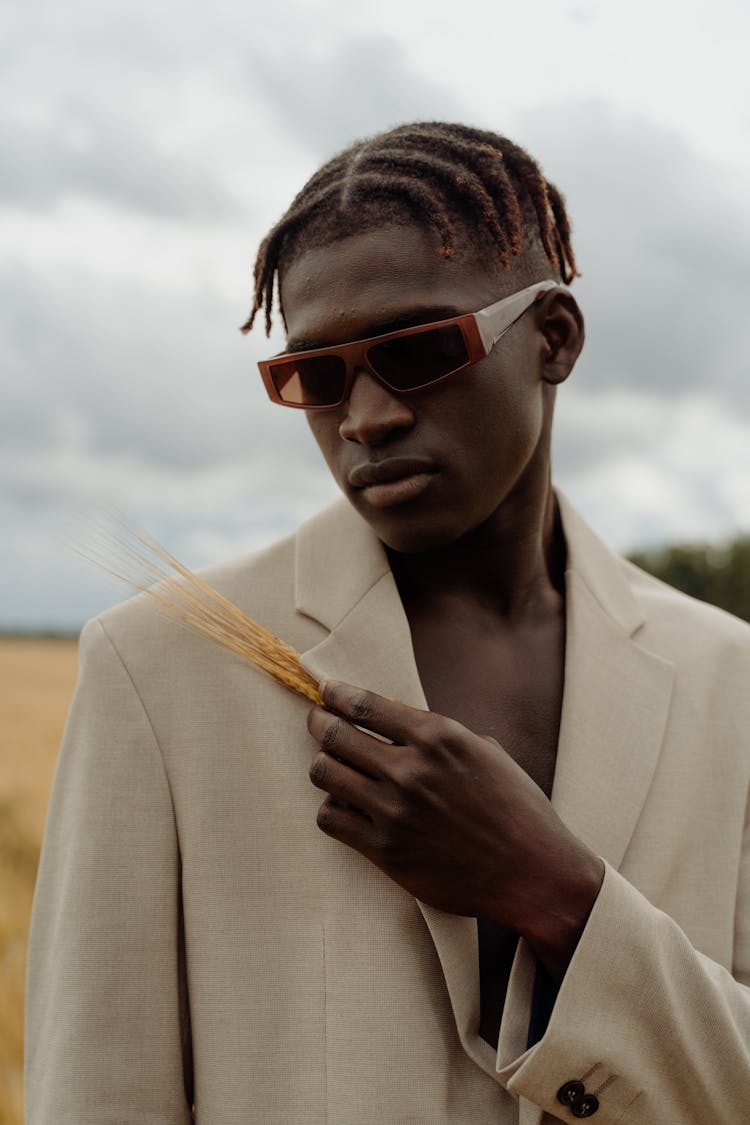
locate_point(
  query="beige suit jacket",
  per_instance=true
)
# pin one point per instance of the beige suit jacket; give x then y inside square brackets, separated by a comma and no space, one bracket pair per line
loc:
[188,903]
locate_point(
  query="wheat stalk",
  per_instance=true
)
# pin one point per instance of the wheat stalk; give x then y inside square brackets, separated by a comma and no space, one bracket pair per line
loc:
[142,562]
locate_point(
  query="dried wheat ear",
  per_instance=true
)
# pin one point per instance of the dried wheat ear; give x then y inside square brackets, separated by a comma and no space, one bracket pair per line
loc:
[143,563]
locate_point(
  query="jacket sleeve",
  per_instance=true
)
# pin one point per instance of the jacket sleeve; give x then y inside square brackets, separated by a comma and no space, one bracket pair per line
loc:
[104,1033]
[655,1030]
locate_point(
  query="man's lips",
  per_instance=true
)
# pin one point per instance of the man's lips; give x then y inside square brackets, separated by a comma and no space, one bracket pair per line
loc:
[394,468]
[384,484]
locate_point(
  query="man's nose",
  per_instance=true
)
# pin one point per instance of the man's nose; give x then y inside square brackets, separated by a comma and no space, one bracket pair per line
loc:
[373,413]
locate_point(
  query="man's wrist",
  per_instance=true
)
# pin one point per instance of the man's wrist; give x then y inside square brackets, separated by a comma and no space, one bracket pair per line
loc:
[554,932]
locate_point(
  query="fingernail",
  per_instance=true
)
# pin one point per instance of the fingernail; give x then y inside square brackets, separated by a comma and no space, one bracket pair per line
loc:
[328,688]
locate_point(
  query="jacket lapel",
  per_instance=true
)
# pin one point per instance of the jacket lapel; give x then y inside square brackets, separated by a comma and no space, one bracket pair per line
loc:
[370,645]
[344,581]
[615,707]
[616,699]
[614,713]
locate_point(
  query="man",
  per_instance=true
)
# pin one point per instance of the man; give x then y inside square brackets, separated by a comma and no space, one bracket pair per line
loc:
[421,935]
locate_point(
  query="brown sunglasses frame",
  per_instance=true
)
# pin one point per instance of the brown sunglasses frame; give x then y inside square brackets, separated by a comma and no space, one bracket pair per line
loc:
[478,341]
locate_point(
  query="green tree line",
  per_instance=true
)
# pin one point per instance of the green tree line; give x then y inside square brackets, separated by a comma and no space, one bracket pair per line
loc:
[716,574]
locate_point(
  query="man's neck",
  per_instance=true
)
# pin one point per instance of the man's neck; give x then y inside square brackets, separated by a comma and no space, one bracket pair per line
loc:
[512,565]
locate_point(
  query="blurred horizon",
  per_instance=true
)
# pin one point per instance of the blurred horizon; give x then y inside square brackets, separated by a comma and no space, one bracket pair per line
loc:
[717,572]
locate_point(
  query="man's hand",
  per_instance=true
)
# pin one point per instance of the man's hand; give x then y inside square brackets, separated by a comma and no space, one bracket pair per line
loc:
[452,818]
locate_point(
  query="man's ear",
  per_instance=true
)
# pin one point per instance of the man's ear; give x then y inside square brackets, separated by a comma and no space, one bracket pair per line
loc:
[561,323]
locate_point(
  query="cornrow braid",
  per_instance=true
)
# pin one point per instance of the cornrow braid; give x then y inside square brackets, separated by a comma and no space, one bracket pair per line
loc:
[441,175]
[444,172]
[486,161]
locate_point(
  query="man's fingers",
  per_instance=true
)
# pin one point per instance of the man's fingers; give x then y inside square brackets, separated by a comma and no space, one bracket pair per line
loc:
[348,825]
[342,782]
[340,739]
[392,720]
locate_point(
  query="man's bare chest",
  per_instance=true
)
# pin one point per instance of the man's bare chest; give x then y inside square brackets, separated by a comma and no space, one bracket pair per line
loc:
[509,688]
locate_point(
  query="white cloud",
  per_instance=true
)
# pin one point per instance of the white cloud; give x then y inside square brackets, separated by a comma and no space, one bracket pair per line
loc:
[152,148]
[357,82]
[650,469]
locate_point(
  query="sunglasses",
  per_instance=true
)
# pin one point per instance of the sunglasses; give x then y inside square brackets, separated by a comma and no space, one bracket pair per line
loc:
[403,361]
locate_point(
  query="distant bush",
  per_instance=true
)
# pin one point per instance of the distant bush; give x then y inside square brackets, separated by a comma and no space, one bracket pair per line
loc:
[716,574]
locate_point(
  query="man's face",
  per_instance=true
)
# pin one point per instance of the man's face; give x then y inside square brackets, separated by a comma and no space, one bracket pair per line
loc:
[457,450]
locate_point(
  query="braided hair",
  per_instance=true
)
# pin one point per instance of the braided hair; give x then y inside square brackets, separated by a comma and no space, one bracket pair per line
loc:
[440,175]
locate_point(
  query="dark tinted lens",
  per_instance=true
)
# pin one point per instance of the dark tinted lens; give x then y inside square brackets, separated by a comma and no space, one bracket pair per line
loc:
[414,361]
[318,381]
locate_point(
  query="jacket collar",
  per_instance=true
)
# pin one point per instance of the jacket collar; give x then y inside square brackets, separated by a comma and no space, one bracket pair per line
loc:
[615,706]
[599,569]
[339,559]
[616,691]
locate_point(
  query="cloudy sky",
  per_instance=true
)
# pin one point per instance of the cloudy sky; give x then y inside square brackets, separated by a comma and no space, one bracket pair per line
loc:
[146,149]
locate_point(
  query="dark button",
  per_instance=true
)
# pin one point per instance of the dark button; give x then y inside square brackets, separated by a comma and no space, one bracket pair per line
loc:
[571,1093]
[585,1106]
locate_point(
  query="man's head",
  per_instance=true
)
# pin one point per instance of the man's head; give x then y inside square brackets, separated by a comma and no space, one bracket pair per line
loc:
[478,191]
[395,233]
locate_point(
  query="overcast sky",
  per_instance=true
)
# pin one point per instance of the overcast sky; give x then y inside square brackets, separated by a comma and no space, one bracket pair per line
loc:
[145,150]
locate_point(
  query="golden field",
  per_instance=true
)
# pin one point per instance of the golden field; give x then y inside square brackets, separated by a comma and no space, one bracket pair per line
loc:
[36,683]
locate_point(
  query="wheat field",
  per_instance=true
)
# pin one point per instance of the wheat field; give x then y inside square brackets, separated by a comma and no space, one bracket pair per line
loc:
[37,677]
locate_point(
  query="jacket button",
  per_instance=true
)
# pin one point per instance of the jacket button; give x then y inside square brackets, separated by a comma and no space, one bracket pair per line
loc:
[571,1092]
[585,1106]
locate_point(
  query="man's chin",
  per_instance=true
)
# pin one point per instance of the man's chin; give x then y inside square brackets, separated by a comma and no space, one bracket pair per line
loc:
[411,529]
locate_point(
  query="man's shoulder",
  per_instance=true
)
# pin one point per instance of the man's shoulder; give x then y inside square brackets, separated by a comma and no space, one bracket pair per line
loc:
[260,583]
[253,580]
[656,614]
[238,577]
[705,644]
[666,603]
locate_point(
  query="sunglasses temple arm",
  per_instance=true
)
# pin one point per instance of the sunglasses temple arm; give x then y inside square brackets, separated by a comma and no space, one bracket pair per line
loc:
[498,318]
